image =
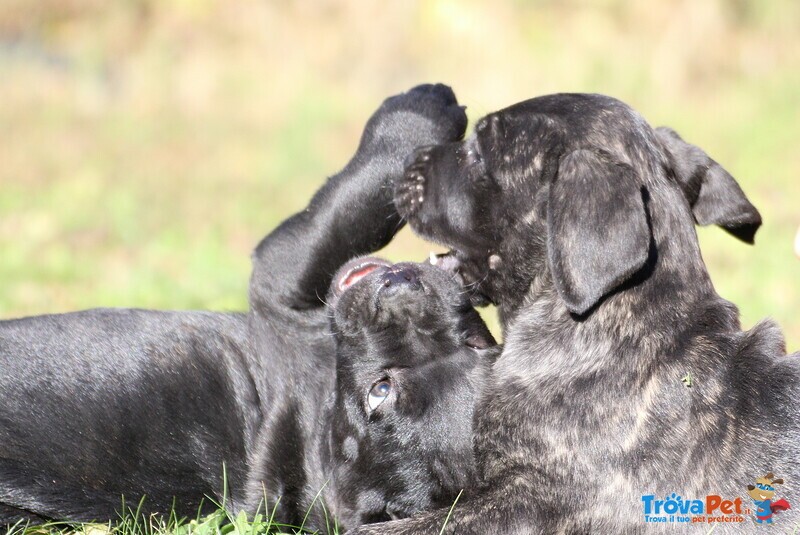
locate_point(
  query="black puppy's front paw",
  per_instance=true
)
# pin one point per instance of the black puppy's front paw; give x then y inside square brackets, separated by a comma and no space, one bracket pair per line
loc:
[438,104]
[425,115]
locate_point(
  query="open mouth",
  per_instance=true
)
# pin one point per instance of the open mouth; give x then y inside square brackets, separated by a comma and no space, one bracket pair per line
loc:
[446,261]
[469,273]
[354,271]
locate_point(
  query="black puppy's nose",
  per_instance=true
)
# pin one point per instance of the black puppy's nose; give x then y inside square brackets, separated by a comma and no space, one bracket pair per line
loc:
[398,277]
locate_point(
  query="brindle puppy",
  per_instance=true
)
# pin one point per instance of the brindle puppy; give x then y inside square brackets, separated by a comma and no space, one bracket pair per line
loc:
[577,218]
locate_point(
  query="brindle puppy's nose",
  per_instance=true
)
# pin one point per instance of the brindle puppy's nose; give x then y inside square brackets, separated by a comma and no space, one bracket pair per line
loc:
[400,277]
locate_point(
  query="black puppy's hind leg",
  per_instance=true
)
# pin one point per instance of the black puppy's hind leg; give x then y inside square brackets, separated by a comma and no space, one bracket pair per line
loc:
[353,213]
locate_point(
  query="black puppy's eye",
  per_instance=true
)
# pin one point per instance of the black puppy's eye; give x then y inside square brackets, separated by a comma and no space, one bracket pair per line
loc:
[378,393]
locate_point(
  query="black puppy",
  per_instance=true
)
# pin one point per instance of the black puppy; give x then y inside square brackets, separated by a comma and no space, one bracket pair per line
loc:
[577,219]
[411,354]
[103,403]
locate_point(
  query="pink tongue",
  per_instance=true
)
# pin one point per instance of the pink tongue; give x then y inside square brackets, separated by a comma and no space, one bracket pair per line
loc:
[358,274]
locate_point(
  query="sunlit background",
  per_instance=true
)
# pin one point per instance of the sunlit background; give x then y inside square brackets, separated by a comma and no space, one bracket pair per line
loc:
[147,145]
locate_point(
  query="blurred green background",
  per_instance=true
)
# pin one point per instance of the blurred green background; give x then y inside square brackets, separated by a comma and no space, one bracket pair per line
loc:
[147,145]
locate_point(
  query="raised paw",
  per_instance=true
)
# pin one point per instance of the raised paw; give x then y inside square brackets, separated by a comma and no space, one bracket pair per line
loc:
[426,114]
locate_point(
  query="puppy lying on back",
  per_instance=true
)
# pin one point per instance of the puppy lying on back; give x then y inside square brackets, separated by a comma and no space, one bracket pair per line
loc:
[411,354]
[100,404]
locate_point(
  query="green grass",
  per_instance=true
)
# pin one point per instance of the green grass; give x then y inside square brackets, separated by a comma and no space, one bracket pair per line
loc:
[133,521]
[220,522]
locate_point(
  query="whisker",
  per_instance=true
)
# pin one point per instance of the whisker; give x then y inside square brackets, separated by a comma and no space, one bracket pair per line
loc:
[322,299]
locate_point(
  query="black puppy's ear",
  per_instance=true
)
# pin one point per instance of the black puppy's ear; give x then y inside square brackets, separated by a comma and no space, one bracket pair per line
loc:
[598,233]
[713,194]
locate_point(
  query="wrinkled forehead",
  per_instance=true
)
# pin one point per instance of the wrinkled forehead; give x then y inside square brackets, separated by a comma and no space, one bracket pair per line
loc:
[519,142]
[400,346]
[515,119]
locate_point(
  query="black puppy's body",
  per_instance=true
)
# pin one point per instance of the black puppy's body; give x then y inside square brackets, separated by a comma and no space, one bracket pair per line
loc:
[576,218]
[102,403]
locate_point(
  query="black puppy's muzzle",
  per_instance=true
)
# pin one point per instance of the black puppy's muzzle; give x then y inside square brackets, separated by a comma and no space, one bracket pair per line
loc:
[399,279]
[399,287]
[400,293]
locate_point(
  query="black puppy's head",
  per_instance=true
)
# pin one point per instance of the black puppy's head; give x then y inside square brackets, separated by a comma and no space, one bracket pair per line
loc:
[563,185]
[411,353]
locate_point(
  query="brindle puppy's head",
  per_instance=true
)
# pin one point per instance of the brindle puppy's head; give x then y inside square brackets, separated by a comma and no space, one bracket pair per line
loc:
[563,186]
[411,354]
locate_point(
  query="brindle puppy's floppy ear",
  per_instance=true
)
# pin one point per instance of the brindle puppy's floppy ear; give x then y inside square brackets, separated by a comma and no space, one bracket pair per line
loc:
[598,233]
[713,194]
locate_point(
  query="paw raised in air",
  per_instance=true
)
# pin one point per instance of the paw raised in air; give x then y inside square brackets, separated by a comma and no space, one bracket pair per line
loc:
[425,115]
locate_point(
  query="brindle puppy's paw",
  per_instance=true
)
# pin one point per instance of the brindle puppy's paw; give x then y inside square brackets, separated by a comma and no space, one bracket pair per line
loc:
[425,115]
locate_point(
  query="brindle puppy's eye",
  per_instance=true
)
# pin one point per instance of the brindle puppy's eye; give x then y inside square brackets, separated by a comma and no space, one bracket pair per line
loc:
[472,154]
[378,393]
[473,157]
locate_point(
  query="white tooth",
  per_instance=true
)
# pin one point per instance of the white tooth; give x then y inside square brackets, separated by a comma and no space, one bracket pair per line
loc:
[433,258]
